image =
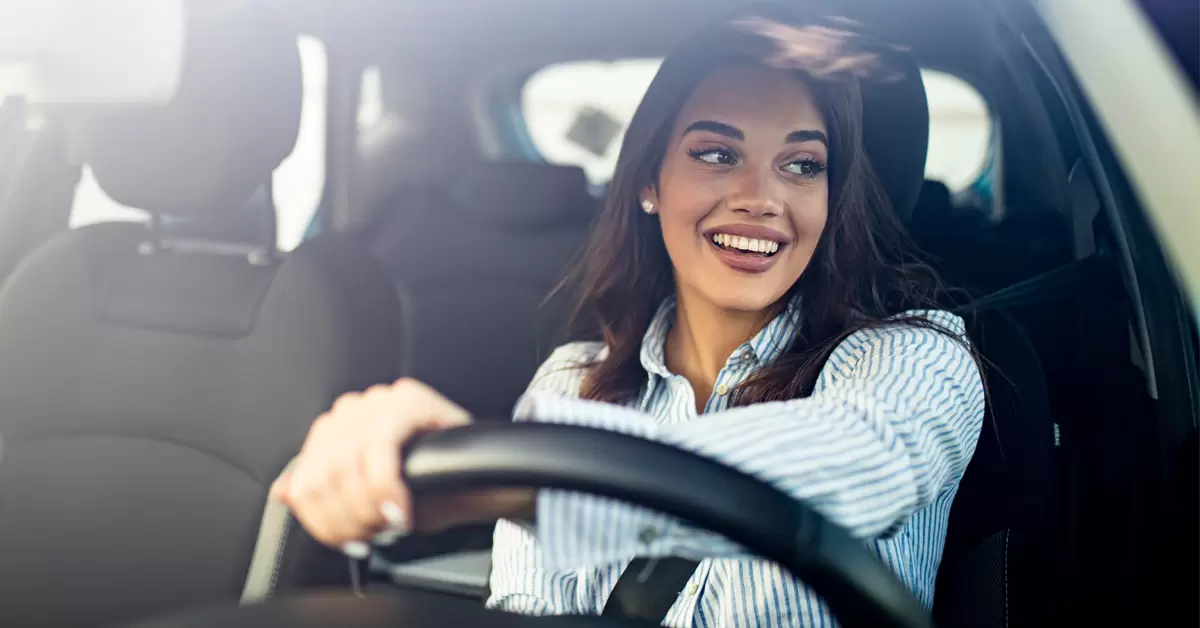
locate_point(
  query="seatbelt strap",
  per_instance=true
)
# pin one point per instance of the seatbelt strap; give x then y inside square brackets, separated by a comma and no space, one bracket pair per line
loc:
[1064,282]
[268,550]
[648,588]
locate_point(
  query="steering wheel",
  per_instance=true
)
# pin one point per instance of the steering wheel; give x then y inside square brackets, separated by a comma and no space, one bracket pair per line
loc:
[859,589]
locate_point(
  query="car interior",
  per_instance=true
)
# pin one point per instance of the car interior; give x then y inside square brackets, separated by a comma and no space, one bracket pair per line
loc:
[156,375]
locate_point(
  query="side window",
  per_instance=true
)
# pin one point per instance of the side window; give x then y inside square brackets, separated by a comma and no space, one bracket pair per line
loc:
[576,114]
[960,130]
[297,183]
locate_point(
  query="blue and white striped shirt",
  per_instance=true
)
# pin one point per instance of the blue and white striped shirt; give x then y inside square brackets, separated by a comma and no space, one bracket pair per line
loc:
[879,448]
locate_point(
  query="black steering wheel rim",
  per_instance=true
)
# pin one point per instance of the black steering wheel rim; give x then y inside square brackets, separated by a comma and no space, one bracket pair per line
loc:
[858,588]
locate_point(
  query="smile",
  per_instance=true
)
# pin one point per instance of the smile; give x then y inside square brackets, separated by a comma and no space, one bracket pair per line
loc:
[747,249]
[745,245]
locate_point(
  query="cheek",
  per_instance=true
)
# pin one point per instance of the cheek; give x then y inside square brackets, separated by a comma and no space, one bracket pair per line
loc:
[679,232]
[810,218]
[683,208]
[809,222]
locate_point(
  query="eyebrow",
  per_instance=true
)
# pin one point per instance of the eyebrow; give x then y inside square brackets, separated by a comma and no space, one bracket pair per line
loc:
[720,128]
[807,135]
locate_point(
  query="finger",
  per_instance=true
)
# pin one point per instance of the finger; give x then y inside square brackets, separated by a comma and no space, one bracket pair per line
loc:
[345,403]
[314,484]
[342,524]
[345,496]
[279,488]
[427,407]
[307,504]
[381,466]
[350,488]
[320,508]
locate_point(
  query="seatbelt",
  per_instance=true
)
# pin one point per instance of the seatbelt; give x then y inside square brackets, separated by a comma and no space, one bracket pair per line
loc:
[648,588]
[272,537]
[1064,282]
[269,547]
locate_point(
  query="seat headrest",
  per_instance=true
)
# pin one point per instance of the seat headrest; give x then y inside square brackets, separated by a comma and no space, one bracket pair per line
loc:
[934,206]
[520,195]
[895,127]
[234,119]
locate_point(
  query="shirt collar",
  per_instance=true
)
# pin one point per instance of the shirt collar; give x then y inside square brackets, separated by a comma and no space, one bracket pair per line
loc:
[766,346]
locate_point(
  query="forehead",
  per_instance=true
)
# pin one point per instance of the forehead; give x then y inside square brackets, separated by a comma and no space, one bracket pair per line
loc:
[752,96]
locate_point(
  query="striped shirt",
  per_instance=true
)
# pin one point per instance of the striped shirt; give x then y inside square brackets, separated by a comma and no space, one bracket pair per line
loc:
[878,448]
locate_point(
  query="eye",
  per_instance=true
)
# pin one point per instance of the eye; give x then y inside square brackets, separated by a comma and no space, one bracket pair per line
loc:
[714,156]
[806,167]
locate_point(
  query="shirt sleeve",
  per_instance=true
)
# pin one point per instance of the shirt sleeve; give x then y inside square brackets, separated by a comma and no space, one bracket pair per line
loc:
[520,581]
[893,426]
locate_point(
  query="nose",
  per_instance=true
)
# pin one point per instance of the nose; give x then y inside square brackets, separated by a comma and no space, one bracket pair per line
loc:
[755,195]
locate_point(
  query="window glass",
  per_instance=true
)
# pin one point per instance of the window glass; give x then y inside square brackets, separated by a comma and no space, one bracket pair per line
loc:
[960,130]
[297,183]
[370,98]
[576,114]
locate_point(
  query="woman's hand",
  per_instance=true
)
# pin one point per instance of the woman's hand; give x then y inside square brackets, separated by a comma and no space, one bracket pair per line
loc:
[345,486]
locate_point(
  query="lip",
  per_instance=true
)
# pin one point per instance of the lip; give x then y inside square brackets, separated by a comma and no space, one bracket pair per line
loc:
[749,264]
[744,263]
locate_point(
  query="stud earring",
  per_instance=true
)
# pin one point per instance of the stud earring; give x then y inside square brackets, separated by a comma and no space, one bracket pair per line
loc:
[647,206]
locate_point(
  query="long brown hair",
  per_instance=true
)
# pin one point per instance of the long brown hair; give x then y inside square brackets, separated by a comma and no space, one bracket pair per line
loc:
[864,270]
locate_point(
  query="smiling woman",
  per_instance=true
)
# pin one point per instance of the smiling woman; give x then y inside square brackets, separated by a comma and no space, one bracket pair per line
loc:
[758,303]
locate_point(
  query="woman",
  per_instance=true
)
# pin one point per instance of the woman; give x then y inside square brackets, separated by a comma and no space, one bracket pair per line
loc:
[759,305]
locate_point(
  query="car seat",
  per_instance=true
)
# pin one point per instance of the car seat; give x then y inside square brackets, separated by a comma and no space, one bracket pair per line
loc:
[156,377]
[475,258]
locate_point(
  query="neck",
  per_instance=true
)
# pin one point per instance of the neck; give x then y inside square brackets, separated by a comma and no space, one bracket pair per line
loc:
[704,336]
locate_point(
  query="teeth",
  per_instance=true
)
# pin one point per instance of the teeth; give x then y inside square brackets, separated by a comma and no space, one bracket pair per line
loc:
[745,244]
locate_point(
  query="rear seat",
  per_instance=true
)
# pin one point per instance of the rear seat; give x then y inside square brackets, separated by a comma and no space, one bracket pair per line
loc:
[474,260]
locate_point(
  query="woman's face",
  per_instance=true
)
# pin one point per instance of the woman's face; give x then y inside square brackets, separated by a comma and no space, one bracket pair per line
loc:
[743,193]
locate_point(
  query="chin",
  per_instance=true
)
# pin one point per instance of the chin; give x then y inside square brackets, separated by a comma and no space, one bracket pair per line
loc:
[745,298]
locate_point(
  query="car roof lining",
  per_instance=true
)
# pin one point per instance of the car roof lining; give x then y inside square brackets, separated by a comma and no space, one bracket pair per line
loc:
[553,31]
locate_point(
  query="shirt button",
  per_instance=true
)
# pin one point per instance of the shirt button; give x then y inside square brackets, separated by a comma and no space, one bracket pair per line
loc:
[722,390]
[693,589]
[647,535]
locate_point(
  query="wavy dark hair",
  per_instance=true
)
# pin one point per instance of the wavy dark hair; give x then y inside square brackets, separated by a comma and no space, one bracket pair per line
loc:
[864,271]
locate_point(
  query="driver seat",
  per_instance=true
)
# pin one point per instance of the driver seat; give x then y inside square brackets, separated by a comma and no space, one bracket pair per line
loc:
[156,378]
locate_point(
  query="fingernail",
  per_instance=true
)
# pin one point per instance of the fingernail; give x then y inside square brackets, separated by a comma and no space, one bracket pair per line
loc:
[394,515]
[356,550]
[387,537]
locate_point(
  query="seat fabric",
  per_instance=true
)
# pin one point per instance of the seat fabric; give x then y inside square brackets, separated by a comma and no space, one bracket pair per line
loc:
[155,381]
[474,261]
[1000,565]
